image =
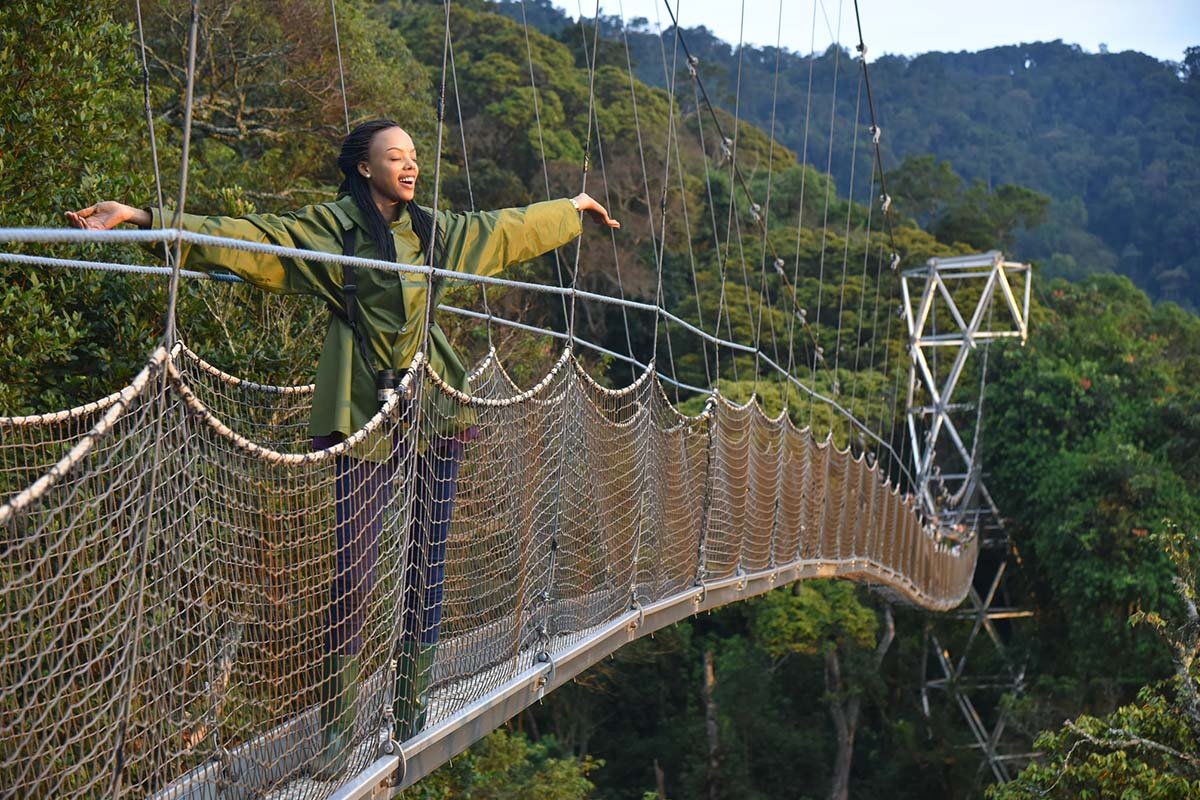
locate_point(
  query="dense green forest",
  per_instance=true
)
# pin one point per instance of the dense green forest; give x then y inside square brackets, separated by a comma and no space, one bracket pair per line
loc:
[1092,430]
[1112,138]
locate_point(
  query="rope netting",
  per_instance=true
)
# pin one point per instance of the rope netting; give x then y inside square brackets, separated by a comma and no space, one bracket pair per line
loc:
[168,600]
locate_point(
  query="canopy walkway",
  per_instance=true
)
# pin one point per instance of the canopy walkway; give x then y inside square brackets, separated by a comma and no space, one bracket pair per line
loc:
[167,578]
[168,549]
[167,553]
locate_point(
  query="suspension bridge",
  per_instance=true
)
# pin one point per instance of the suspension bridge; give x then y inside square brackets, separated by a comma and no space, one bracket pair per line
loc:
[168,548]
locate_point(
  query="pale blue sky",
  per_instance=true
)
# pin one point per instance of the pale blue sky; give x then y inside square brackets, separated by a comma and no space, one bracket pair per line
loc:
[1161,28]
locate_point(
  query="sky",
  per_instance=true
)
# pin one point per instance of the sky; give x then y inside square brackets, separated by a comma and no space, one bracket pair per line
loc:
[1161,28]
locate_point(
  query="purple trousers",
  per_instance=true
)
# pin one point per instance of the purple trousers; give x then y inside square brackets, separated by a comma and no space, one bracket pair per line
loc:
[363,490]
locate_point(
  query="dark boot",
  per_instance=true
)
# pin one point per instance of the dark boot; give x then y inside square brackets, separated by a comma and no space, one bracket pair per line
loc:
[339,693]
[414,673]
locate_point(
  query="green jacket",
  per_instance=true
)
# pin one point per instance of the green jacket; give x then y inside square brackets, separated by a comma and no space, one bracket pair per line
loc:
[391,305]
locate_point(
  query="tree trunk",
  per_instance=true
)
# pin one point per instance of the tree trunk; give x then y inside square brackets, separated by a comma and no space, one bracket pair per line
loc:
[845,724]
[712,772]
[660,781]
[845,710]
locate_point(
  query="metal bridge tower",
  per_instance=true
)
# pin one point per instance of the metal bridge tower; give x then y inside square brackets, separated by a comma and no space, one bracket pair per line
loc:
[945,438]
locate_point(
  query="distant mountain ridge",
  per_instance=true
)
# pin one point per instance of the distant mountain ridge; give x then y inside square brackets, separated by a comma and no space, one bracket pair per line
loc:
[1112,138]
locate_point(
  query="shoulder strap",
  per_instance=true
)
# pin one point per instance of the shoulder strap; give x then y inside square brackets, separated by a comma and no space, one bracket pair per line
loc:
[350,296]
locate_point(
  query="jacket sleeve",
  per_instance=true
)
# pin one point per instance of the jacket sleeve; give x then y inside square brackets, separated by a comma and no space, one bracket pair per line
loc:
[310,228]
[485,242]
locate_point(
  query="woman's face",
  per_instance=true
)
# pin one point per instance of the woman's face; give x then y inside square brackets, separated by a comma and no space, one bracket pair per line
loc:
[391,167]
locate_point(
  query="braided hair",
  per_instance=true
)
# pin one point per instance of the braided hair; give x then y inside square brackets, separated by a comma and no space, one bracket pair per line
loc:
[355,149]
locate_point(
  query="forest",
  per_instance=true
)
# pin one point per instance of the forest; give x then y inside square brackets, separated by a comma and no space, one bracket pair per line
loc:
[1110,137]
[1083,164]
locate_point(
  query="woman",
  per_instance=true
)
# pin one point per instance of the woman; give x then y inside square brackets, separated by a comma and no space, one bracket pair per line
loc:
[376,329]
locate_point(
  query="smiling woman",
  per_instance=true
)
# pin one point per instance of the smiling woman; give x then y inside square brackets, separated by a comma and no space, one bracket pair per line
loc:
[377,326]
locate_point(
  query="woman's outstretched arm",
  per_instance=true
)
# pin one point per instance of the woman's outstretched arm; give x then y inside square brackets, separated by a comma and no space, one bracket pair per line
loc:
[107,215]
[585,202]
[310,228]
[485,242]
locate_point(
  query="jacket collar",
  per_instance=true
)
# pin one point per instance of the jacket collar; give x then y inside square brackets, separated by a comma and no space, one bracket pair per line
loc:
[350,215]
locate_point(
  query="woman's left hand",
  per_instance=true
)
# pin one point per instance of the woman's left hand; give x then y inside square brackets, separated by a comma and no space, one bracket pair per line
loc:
[585,202]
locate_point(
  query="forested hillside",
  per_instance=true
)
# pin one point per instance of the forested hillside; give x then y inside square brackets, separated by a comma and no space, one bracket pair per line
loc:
[1083,163]
[1112,138]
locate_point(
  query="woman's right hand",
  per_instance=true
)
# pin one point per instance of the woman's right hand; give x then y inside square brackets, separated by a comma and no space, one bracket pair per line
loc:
[107,215]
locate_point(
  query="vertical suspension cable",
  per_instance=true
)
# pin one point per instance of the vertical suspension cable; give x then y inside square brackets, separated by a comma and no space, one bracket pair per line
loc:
[764,289]
[712,212]
[587,148]
[659,298]
[749,303]
[337,43]
[885,206]
[887,351]
[687,232]
[876,135]
[143,546]
[798,312]
[158,190]
[437,179]
[862,295]
[169,335]
[537,116]
[819,355]
[837,349]
[729,148]
[462,132]
[608,204]
[669,79]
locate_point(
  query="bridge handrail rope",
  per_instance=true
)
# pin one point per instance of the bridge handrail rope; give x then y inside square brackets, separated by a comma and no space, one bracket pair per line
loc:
[169,545]
[54,234]
[50,235]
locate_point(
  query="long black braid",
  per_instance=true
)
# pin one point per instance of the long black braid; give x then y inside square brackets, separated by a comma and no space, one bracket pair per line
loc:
[354,151]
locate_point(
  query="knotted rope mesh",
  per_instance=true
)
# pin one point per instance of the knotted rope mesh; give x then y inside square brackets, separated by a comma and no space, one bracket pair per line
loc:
[179,564]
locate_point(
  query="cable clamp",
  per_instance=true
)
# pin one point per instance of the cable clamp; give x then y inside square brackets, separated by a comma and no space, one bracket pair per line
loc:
[895,261]
[887,202]
[544,658]
[876,133]
[692,63]
[779,265]
[641,615]
[756,212]
[391,747]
